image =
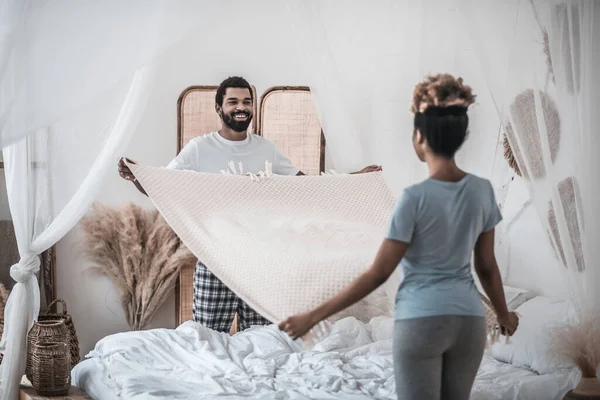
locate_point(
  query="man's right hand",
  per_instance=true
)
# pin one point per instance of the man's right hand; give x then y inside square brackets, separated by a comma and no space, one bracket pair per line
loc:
[124,170]
[126,174]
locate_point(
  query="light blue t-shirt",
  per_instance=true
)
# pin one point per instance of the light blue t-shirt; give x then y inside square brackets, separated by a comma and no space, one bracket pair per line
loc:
[441,221]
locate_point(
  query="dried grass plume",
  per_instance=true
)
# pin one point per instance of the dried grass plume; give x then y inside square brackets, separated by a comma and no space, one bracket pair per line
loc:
[579,343]
[139,252]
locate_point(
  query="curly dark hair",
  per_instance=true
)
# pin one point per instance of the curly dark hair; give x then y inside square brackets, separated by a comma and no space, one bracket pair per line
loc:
[440,106]
[232,82]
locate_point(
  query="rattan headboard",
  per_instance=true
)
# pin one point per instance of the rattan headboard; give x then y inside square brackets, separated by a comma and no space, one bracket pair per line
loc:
[290,121]
[288,117]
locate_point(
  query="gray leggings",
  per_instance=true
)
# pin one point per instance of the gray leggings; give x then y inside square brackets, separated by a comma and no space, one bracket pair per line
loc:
[438,357]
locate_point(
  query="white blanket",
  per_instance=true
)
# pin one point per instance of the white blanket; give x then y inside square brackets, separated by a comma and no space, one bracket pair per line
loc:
[353,362]
[282,244]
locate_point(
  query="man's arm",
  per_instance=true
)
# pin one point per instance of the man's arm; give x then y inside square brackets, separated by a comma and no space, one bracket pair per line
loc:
[370,168]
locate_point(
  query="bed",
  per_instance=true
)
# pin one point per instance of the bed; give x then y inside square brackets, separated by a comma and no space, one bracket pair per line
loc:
[354,361]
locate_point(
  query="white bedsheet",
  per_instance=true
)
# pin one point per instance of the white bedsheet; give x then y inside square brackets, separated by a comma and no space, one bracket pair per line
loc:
[353,362]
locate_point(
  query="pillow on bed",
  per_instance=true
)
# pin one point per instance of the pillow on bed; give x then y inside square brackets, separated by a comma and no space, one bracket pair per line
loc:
[530,347]
[514,298]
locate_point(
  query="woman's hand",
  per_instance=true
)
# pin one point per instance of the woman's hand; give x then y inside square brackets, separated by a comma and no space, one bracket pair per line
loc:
[299,324]
[388,257]
[509,323]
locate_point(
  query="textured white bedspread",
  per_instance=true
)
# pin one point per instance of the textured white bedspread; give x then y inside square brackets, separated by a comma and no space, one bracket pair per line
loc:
[353,362]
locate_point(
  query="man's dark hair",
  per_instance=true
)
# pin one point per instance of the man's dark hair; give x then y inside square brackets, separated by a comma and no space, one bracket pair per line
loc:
[232,82]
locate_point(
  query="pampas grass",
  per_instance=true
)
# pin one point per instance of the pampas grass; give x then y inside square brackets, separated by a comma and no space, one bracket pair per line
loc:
[579,343]
[4,292]
[139,252]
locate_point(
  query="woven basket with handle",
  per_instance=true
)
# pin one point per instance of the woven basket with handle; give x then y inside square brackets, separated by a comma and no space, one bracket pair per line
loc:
[43,332]
[74,342]
[51,368]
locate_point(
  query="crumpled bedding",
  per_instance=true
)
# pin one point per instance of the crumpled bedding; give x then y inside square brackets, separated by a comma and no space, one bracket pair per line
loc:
[353,361]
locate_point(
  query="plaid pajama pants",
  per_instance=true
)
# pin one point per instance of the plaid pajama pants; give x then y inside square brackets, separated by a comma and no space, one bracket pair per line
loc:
[215,304]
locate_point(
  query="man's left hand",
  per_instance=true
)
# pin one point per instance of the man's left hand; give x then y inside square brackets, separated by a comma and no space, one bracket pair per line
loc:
[370,168]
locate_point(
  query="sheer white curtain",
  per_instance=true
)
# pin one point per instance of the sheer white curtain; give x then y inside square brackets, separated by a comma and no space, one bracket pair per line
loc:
[28,171]
[56,57]
[361,85]
[73,82]
[362,61]
[543,77]
[70,97]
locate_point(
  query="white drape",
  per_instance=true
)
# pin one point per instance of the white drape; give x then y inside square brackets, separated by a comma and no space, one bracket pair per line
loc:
[544,82]
[58,57]
[23,303]
[362,61]
[70,97]
[73,82]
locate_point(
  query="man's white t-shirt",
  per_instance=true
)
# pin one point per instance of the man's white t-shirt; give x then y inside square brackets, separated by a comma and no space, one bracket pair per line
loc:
[212,153]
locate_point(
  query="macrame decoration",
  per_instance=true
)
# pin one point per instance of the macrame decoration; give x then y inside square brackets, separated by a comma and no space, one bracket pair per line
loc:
[523,111]
[282,244]
[569,192]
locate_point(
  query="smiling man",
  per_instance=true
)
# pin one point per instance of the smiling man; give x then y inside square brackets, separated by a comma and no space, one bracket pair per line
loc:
[213,152]
[214,303]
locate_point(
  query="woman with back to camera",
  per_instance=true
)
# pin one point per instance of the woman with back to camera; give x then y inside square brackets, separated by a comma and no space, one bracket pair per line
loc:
[440,331]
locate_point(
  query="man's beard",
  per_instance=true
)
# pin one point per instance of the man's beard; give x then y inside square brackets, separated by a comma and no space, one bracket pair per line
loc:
[237,126]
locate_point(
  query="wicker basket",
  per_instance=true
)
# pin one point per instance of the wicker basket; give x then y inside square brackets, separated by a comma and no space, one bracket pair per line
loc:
[51,368]
[43,332]
[74,342]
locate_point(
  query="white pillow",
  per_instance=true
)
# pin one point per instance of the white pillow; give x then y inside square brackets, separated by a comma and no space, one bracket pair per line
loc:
[514,296]
[529,347]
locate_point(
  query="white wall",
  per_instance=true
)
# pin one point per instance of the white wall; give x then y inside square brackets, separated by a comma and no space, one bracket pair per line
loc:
[93,301]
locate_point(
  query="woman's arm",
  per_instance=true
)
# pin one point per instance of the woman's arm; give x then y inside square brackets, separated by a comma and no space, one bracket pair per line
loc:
[489,276]
[388,257]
